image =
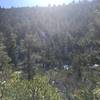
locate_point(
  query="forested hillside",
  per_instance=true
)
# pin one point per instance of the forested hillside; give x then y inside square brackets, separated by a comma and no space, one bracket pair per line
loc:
[50,53]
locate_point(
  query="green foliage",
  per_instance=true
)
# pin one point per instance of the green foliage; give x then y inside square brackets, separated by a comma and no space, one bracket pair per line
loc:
[5,66]
[10,42]
[66,35]
[36,89]
[83,95]
[96,91]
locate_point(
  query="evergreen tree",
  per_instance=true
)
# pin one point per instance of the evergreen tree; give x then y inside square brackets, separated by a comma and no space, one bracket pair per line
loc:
[5,67]
[10,41]
[31,48]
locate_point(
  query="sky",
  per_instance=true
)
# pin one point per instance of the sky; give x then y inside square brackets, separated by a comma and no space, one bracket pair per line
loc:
[23,3]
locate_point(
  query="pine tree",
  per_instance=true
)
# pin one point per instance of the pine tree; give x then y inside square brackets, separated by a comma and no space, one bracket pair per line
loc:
[31,49]
[4,61]
[10,41]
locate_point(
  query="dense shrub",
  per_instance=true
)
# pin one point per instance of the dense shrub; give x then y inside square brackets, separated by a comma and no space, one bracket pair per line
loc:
[36,89]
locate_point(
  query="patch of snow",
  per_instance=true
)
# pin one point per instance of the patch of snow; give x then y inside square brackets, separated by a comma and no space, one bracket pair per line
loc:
[53,82]
[66,67]
[55,68]
[96,65]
